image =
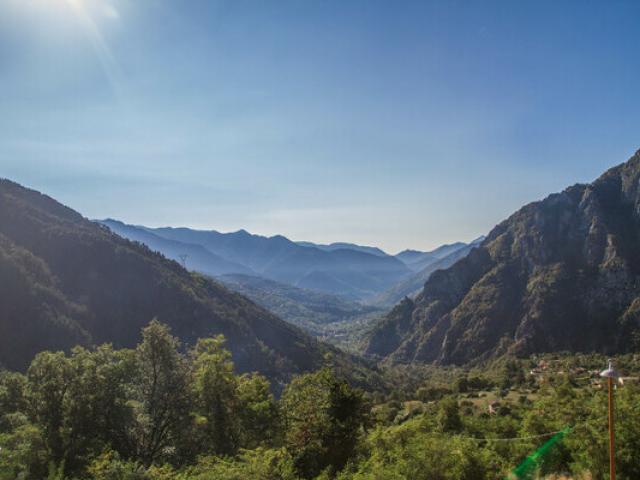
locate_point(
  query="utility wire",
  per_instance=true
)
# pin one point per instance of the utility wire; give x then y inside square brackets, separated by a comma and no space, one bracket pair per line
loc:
[511,439]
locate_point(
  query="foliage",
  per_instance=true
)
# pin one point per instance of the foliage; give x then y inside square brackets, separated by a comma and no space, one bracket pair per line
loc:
[409,452]
[67,281]
[160,413]
[322,417]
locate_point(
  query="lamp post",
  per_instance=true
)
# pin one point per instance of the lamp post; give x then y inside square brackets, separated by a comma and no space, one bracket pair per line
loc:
[610,374]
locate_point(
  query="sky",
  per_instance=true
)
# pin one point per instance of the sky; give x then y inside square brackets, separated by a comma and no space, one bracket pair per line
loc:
[397,124]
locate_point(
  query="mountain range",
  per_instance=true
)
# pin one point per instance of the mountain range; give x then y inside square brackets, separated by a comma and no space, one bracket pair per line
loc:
[417,260]
[559,274]
[562,273]
[358,273]
[345,245]
[347,270]
[427,262]
[66,281]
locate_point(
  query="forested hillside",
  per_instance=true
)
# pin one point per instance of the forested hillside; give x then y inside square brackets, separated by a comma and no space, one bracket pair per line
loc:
[332,318]
[156,412]
[68,281]
[560,274]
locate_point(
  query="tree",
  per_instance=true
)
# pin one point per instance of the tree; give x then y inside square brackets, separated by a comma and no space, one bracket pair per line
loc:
[49,377]
[408,452]
[323,418]
[216,399]
[258,464]
[22,451]
[96,410]
[161,395]
[258,411]
[12,396]
[512,375]
[448,417]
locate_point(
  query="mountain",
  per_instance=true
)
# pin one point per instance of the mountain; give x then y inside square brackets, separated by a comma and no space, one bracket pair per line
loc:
[196,257]
[412,285]
[559,274]
[318,313]
[418,261]
[352,273]
[346,246]
[255,252]
[409,257]
[65,280]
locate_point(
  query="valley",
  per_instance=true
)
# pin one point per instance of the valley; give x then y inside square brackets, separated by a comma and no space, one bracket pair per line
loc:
[335,292]
[319,240]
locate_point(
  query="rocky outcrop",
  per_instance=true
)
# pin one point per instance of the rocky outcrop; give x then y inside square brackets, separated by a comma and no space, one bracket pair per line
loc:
[559,274]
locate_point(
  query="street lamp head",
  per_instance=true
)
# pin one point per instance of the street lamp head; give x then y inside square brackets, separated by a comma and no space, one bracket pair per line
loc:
[609,372]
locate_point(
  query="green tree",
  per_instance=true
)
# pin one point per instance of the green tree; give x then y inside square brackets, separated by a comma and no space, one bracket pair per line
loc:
[408,452]
[588,442]
[448,417]
[12,396]
[49,377]
[109,466]
[259,464]
[512,375]
[23,453]
[323,417]
[216,397]
[162,403]
[96,410]
[258,412]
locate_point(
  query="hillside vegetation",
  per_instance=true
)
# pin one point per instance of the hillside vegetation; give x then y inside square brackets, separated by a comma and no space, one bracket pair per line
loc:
[155,413]
[68,281]
[330,317]
[560,274]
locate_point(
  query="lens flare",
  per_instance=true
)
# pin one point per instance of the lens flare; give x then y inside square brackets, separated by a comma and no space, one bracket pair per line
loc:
[98,43]
[527,468]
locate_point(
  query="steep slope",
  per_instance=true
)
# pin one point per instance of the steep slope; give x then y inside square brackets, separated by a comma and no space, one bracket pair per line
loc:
[411,286]
[350,272]
[197,257]
[560,274]
[316,312]
[66,280]
[34,313]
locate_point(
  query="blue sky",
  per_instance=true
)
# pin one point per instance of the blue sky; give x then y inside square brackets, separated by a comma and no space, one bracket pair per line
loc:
[397,124]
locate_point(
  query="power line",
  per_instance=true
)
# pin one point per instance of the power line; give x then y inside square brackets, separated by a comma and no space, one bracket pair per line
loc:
[530,437]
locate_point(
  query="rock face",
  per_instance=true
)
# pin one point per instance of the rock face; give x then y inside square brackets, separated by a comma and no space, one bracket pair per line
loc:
[560,274]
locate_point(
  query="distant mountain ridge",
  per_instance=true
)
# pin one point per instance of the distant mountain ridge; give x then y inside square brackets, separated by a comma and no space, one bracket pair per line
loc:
[343,269]
[418,261]
[412,285]
[207,262]
[562,273]
[345,245]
